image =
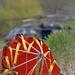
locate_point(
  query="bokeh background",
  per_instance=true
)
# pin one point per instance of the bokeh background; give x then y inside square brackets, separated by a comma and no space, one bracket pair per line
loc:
[11,10]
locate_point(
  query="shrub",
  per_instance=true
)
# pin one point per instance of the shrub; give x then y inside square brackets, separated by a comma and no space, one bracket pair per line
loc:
[62,45]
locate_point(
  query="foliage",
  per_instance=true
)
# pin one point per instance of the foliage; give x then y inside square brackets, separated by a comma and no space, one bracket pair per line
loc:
[62,45]
[2,43]
[17,9]
[71,24]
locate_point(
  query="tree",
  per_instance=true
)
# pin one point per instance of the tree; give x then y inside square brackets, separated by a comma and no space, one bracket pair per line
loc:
[55,6]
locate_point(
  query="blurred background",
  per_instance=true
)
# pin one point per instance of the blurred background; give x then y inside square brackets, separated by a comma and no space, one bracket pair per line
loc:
[12,12]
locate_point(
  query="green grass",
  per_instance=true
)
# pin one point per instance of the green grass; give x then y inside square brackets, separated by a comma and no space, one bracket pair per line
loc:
[2,43]
[71,24]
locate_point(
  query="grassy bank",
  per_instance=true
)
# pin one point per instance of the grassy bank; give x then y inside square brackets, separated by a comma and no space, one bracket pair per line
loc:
[2,43]
[17,9]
